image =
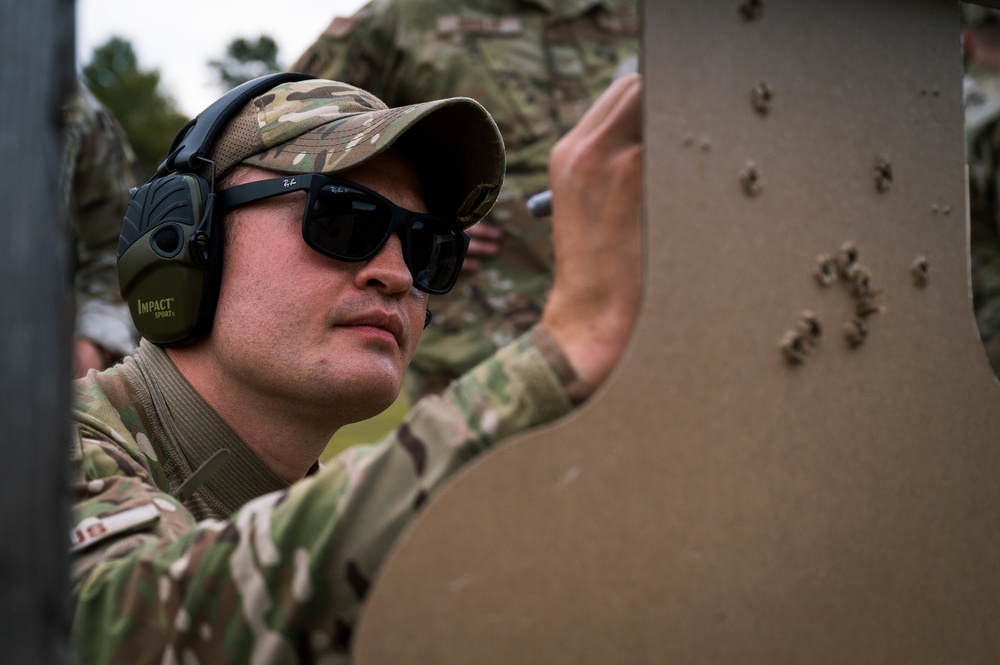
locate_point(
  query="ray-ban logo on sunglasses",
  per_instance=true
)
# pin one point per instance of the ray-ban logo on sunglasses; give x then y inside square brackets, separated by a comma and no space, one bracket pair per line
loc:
[289,182]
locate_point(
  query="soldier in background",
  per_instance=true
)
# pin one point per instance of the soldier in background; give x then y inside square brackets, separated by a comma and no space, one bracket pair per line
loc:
[97,171]
[536,66]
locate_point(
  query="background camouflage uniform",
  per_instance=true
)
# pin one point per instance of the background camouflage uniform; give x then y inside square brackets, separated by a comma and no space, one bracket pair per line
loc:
[250,569]
[536,65]
[97,172]
[982,133]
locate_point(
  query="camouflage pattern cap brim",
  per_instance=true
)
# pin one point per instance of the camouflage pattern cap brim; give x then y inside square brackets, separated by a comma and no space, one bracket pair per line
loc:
[319,126]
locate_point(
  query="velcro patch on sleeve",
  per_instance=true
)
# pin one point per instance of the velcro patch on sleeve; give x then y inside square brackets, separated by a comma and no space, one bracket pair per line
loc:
[96,529]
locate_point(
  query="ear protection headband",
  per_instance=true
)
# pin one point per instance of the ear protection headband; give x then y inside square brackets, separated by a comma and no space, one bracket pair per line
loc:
[170,248]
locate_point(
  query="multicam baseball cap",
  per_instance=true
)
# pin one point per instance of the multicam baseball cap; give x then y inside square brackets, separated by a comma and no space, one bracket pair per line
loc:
[321,126]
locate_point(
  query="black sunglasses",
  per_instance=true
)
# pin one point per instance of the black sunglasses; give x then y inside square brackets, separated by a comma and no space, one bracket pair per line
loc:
[348,222]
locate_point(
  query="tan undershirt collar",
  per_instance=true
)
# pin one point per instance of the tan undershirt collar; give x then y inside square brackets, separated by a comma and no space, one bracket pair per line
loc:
[189,432]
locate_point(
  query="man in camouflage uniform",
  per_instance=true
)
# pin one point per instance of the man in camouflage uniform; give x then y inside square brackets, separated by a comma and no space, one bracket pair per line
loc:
[266,558]
[98,170]
[536,65]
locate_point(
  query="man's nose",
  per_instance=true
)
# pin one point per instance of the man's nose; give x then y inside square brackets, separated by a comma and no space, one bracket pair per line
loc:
[387,269]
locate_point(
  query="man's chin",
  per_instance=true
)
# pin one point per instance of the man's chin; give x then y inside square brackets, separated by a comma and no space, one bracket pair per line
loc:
[370,396]
[369,409]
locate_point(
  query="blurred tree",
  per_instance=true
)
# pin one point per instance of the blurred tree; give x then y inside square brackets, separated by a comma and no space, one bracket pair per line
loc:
[245,60]
[149,116]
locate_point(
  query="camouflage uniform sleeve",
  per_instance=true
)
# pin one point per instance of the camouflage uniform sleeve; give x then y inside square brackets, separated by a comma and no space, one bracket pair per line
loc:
[284,579]
[98,170]
[360,50]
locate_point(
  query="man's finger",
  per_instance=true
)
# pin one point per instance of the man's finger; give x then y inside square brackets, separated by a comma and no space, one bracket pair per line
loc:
[617,100]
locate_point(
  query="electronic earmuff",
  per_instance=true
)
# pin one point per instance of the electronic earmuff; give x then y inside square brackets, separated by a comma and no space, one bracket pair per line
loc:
[170,248]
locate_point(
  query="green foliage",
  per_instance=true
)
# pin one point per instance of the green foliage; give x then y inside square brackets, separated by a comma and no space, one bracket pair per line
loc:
[150,117]
[245,60]
[367,431]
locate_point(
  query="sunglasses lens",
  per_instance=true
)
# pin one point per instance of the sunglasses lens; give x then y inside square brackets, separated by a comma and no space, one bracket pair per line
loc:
[436,254]
[346,224]
[352,225]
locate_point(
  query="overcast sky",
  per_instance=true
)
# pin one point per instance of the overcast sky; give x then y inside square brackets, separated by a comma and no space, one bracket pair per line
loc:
[179,37]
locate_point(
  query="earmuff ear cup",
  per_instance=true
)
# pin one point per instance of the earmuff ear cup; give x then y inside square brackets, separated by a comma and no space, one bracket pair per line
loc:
[169,280]
[170,248]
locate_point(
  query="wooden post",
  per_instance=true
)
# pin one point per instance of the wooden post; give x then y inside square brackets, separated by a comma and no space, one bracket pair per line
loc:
[36,49]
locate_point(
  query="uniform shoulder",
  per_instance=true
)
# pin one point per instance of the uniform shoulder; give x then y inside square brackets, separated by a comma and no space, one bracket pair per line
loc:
[108,419]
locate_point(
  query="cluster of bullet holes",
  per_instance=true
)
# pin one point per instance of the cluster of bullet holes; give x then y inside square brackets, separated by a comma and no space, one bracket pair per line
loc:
[845,268]
[842,267]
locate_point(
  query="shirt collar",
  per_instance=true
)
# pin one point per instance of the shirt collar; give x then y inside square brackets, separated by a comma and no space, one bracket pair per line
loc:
[195,432]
